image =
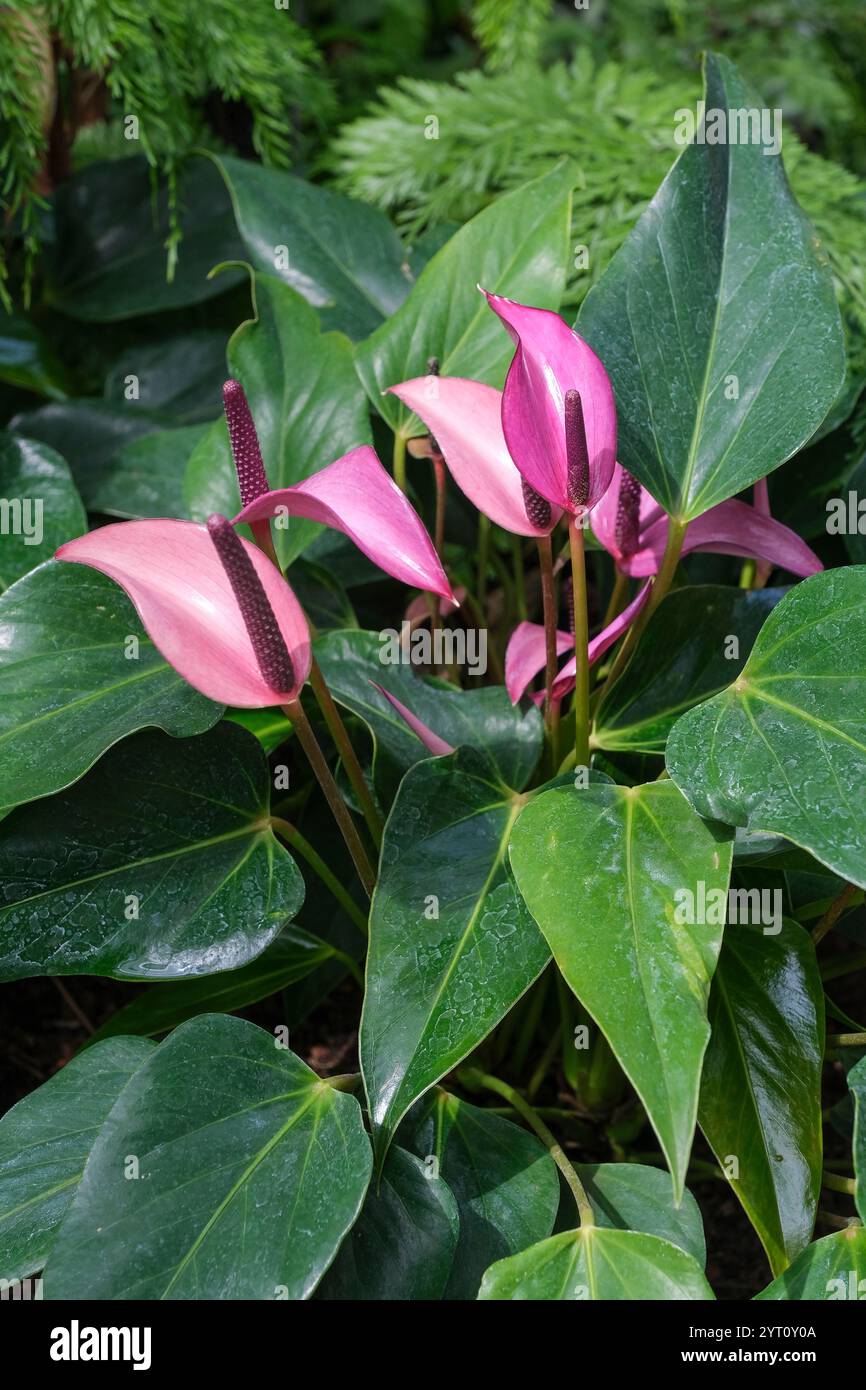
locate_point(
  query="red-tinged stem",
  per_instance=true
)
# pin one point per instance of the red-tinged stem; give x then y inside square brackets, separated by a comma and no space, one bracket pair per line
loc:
[324,777]
[833,913]
[581,643]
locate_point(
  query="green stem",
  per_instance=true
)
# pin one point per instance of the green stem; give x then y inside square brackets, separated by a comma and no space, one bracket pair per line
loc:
[516,1101]
[519,578]
[354,771]
[618,595]
[325,778]
[838,1184]
[548,601]
[299,842]
[833,913]
[846,1039]
[581,643]
[398,461]
[661,584]
[483,552]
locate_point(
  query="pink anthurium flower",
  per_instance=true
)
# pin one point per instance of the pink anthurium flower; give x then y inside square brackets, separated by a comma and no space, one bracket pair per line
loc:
[526,651]
[355,495]
[633,528]
[558,411]
[465,418]
[215,607]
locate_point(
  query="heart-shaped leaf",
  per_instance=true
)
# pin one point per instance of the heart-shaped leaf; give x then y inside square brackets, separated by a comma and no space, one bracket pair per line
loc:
[343,256]
[111,241]
[485,719]
[761,1093]
[77,673]
[596,1263]
[783,749]
[519,247]
[695,644]
[44,1143]
[635,1197]
[402,1245]
[39,506]
[504,1181]
[452,946]
[717,318]
[628,886]
[306,402]
[831,1269]
[160,864]
[159,1008]
[226,1170]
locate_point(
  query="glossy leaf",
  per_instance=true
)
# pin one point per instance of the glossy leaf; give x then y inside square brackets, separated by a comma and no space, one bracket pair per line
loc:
[111,242]
[402,1245]
[69,689]
[27,359]
[761,1092]
[452,946]
[160,864]
[159,1008]
[518,247]
[504,1181]
[39,506]
[89,435]
[832,1269]
[606,872]
[177,377]
[597,1264]
[343,256]
[717,320]
[305,400]
[682,659]
[635,1197]
[251,1170]
[45,1141]
[857,1086]
[783,749]
[145,478]
[485,719]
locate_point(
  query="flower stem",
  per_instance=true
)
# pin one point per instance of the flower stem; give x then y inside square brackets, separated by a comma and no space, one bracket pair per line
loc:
[838,1184]
[516,1101]
[548,599]
[833,913]
[846,1040]
[324,777]
[519,579]
[483,554]
[581,642]
[354,771]
[399,461]
[661,584]
[301,844]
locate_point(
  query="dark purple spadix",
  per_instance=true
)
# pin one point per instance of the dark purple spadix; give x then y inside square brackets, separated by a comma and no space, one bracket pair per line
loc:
[252,478]
[267,640]
[537,507]
[627,526]
[576,452]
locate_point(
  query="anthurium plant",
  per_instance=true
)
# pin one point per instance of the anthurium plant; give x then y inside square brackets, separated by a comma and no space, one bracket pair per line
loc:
[459,753]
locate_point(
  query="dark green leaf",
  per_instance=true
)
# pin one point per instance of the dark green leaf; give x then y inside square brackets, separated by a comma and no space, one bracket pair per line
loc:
[146,476]
[683,659]
[597,1263]
[485,719]
[634,1197]
[717,320]
[44,1143]
[343,256]
[160,864]
[782,750]
[402,1245]
[761,1094]
[27,359]
[612,876]
[250,1172]
[831,1269]
[452,946]
[159,1008]
[178,377]
[306,402]
[504,1181]
[39,507]
[518,246]
[89,434]
[68,689]
[857,1084]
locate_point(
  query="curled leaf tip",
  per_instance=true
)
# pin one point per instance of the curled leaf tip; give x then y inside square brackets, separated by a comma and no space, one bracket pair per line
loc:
[576,451]
[247,455]
[266,639]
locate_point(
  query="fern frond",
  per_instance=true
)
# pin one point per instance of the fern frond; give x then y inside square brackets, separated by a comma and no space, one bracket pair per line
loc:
[510,31]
